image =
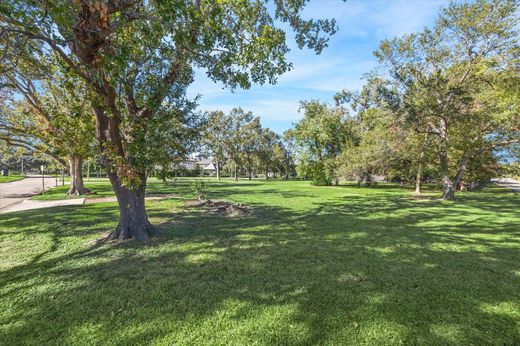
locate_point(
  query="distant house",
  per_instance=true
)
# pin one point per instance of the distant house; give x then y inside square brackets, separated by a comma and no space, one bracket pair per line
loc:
[210,168]
[206,165]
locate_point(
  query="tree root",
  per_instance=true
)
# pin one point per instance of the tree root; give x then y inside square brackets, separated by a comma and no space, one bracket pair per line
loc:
[142,232]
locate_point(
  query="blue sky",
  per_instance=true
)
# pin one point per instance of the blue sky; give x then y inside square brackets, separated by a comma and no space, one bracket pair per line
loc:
[362,25]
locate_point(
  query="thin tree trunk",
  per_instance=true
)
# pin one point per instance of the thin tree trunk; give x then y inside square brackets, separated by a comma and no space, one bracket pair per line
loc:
[448,191]
[418,178]
[76,175]
[463,164]
[236,172]
[88,170]
[249,171]
[266,173]
[218,170]
[133,220]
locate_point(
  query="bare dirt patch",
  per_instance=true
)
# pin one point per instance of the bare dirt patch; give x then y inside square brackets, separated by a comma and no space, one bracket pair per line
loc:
[220,207]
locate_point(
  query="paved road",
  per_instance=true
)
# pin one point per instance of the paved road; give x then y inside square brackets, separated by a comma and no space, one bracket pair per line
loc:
[17,191]
[507,182]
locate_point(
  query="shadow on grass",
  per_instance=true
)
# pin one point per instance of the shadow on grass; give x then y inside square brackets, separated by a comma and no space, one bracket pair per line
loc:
[352,270]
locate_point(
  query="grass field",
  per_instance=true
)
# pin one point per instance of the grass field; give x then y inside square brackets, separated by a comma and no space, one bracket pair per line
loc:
[312,265]
[101,188]
[10,178]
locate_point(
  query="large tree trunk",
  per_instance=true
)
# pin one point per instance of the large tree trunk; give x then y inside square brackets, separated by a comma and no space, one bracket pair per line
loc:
[133,221]
[448,191]
[218,170]
[76,175]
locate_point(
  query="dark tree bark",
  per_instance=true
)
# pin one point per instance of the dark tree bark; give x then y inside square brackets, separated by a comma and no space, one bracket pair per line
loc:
[76,175]
[236,172]
[133,220]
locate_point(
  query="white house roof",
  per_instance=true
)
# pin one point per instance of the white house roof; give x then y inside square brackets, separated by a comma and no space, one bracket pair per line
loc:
[210,167]
[191,164]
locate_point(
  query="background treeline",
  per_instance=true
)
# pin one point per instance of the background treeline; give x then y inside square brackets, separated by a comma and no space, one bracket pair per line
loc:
[442,106]
[238,144]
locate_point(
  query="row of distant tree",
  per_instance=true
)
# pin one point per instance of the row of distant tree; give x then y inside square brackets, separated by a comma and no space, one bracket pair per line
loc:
[237,145]
[239,141]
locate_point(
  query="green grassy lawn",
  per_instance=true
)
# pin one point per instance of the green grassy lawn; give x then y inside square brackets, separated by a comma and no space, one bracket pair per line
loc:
[312,265]
[101,188]
[11,178]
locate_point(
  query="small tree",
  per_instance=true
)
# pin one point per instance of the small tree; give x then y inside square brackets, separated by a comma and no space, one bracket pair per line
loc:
[319,138]
[251,142]
[240,138]
[270,155]
[213,138]
[54,118]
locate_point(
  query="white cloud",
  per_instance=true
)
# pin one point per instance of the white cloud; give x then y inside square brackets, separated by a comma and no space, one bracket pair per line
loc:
[383,18]
[331,75]
[205,86]
[363,24]
[402,17]
[276,110]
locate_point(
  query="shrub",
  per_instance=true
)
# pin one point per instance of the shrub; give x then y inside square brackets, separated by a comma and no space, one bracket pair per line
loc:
[200,189]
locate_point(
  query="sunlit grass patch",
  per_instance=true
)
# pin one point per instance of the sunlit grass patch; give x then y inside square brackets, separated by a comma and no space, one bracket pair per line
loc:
[312,265]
